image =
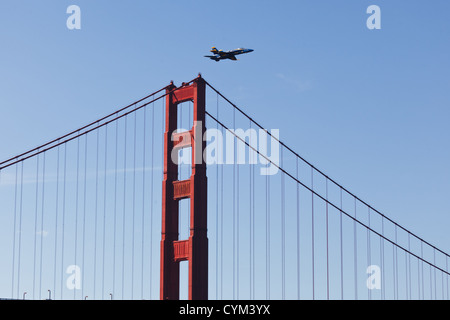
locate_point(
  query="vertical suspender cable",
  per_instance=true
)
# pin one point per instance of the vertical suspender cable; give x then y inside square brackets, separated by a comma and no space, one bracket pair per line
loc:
[56,219]
[35,225]
[355,254]
[442,285]
[327,249]
[407,284]
[151,191]
[383,294]
[250,233]
[369,293]
[253,222]
[423,275]
[14,232]
[341,237]
[237,218]
[312,232]
[418,278]
[163,115]
[251,211]
[234,214]
[20,230]
[97,160]
[298,231]
[221,216]
[394,265]
[431,283]
[133,205]
[42,226]
[115,208]
[283,231]
[124,205]
[267,237]
[446,269]
[0,188]
[104,210]
[143,199]
[76,207]
[151,194]
[394,251]
[409,267]
[434,269]
[217,203]
[83,257]
[63,220]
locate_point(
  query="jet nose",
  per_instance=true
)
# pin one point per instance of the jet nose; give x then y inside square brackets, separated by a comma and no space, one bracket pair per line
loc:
[250,50]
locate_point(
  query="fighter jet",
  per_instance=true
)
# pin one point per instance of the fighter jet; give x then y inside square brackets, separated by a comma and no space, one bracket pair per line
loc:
[221,55]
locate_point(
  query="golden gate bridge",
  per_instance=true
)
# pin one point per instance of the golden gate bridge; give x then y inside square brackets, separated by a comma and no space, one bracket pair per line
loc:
[183,195]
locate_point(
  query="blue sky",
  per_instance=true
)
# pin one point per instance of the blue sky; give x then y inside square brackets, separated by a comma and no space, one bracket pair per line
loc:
[368,107]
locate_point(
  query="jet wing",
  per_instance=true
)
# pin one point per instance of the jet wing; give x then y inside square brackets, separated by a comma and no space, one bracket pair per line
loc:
[232,57]
[221,53]
[215,58]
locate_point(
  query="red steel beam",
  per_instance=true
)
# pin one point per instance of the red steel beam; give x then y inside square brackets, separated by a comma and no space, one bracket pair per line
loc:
[195,248]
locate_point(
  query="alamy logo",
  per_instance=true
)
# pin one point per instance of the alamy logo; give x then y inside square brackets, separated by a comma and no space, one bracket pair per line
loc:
[374,20]
[259,147]
[74,20]
[73,281]
[374,279]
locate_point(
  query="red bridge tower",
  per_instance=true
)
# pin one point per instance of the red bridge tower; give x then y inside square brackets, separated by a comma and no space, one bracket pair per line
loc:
[194,249]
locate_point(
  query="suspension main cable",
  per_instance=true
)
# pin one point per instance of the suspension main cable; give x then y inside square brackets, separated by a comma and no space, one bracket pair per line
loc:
[314,193]
[326,176]
[86,129]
